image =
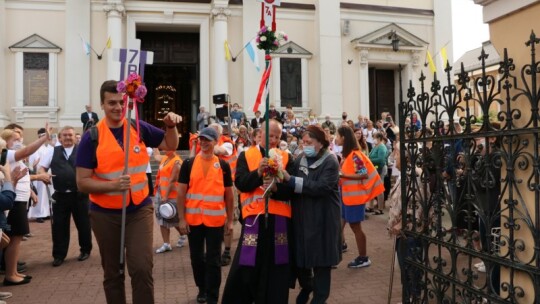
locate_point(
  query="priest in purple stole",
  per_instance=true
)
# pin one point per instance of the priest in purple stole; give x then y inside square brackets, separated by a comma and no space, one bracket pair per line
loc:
[261,270]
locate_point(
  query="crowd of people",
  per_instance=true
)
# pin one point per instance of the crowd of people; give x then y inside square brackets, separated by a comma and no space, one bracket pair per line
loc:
[293,195]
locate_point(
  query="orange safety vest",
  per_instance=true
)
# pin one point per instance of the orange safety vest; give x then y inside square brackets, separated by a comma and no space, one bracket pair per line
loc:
[110,166]
[253,202]
[163,178]
[205,198]
[359,192]
[230,159]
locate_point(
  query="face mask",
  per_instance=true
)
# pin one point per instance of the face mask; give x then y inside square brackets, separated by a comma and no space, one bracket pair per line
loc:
[306,124]
[283,148]
[17,145]
[272,109]
[309,151]
[344,117]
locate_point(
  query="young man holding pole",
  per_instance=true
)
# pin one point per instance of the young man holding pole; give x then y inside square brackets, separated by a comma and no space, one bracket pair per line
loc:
[100,172]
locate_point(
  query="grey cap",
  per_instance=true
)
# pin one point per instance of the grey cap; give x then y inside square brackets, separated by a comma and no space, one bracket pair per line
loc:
[209,133]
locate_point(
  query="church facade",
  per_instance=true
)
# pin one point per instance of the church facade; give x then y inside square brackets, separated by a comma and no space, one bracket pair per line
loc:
[340,56]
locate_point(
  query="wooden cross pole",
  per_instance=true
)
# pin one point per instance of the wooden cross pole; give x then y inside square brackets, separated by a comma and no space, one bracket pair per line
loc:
[132,60]
[268,18]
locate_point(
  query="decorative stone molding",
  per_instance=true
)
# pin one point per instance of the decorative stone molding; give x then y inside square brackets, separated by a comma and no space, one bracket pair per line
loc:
[415,59]
[114,9]
[220,13]
[364,56]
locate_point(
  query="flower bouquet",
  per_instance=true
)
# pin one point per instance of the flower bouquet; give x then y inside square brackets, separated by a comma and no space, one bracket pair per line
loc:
[274,169]
[268,40]
[132,87]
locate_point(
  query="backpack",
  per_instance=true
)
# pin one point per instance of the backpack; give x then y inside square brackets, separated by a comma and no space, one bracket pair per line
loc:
[94,135]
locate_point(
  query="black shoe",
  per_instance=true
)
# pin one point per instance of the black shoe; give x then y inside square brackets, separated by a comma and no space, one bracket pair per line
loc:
[28,277]
[57,262]
[225,258]
[201,297]
[11,283]
[83,256]
[40,220]
[19,263]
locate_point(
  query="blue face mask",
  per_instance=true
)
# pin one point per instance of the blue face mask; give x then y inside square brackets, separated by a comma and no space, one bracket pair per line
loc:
[310,151]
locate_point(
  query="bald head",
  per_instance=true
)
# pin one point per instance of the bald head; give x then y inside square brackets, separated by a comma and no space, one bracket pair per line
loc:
[275,129]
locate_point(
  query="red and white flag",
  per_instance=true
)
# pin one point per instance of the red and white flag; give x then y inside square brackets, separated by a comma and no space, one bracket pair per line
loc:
[263,87]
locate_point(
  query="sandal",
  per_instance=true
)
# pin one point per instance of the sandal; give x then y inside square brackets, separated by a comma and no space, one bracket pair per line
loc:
[378,212]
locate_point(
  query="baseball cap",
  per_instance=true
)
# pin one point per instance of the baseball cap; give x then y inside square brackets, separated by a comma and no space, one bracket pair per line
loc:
[209,133]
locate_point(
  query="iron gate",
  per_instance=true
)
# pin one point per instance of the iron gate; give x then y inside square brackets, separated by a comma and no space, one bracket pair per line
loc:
[471,186]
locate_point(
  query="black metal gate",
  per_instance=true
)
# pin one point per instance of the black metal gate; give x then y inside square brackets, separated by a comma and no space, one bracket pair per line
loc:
[471,186]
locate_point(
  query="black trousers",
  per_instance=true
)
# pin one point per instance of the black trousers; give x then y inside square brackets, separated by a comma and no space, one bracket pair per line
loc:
[318,281]
[206,269]
[70,204]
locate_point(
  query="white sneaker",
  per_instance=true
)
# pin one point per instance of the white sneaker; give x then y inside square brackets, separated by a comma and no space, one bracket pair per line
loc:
[181,241]
[478,264]
[5,295]
[482,268]
[163,248]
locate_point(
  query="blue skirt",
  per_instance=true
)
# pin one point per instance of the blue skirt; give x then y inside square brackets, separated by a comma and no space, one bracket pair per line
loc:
[353,214]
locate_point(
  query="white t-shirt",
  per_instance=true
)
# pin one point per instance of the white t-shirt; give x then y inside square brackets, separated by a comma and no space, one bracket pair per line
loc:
[22,190]
[150,152]
[368,134]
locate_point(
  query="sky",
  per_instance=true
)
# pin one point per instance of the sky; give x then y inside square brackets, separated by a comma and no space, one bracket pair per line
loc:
[468,29]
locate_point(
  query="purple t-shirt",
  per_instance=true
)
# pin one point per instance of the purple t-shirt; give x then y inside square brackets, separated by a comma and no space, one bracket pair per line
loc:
[152,137]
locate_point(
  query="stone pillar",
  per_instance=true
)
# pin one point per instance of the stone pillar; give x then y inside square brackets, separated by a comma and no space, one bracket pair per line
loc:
[115,12]
[364,83]
[77,63]
[276,81]
[329,28]
[251,14]
[4,104]
[220,79]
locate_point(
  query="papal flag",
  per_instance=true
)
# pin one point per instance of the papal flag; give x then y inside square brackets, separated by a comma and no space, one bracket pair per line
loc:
[228,56]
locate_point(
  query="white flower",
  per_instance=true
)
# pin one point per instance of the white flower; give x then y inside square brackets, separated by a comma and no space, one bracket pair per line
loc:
[263,38]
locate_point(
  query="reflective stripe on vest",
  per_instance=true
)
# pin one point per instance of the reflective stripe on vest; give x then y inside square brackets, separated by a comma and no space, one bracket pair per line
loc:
[205,199]
[163,179]
[110,166]
[359,192]
[253,202]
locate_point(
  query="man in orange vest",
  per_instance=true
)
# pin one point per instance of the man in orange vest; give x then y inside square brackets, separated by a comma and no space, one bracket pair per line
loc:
[226,150]
[260,271]
[205,204]
[100,167]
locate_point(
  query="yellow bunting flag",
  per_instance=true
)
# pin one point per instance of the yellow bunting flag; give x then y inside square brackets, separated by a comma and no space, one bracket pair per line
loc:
[228,56]
[109,43]
[431,63]
[444,56]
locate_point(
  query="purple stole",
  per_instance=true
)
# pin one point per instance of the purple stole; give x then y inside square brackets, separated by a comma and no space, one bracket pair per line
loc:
[248,250]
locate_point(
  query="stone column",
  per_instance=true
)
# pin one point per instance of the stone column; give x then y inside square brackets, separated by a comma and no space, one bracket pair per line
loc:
[4,104]
[364,83]
[276,81]
[220,79]
[251,14]
[330,74]
[115,12]
[77,63]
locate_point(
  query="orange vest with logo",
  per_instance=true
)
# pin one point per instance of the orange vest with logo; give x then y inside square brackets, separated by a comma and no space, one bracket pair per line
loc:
[205,198]
[110,166]
[359,192]
[253,202]
[163,178]
[230,159]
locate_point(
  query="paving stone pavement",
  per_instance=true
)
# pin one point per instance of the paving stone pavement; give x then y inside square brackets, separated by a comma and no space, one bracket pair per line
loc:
[81,282]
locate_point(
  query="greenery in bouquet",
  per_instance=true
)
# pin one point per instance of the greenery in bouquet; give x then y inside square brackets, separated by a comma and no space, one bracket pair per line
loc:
[269,40]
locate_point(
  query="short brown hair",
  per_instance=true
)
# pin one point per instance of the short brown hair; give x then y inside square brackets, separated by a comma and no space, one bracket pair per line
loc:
[317,133]
[108,86]
[13,126]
